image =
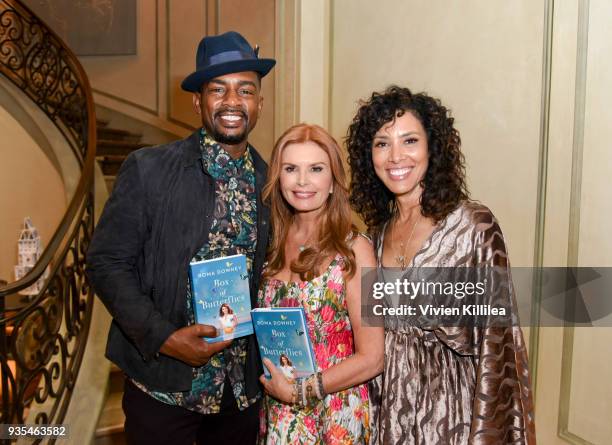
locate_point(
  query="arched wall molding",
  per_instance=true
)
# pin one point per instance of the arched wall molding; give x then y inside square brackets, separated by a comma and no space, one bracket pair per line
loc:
[45,135]
[10,102]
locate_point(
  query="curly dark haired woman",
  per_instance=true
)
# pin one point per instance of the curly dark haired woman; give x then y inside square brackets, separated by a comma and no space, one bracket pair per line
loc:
[443,184]
[452,385]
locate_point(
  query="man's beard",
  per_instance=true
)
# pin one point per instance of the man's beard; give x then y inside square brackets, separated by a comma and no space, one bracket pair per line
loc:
[229,139]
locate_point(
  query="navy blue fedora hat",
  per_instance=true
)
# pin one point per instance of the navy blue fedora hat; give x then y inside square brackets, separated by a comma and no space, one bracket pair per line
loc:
[224,54]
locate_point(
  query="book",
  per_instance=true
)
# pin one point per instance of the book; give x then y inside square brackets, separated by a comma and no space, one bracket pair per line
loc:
[283,338]
[221,296]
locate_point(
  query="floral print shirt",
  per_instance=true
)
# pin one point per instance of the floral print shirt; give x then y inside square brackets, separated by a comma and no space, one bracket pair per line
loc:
[233,231]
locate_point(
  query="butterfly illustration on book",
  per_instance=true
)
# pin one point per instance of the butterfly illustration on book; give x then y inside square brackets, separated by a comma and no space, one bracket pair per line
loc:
[228,263]
[283,317]
[202,303]
[299,332]
[244,276]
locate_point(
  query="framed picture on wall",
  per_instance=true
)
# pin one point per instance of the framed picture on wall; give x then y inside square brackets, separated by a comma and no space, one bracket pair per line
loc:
[91,27]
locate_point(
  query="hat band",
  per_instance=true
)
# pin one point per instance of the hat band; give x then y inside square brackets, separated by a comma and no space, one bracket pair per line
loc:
[229,56]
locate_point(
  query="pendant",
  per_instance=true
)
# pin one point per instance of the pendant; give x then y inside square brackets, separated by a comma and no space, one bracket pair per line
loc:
[401,260]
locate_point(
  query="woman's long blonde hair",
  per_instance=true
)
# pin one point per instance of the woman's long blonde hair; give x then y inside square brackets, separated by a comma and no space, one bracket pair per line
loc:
[335,226]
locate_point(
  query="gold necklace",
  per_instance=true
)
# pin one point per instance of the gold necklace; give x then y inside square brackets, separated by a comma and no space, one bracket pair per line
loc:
[401,257]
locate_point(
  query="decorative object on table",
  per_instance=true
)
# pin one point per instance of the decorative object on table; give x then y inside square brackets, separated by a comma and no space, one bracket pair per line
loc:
[29,250]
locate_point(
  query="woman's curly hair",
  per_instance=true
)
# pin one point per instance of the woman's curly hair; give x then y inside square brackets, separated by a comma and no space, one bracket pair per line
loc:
[444,184]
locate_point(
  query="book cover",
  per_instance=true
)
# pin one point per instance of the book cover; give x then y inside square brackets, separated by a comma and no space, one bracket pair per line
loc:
[283,338]
[221,297]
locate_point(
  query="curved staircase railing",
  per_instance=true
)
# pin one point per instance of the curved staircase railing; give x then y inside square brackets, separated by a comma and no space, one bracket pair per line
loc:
[43,341]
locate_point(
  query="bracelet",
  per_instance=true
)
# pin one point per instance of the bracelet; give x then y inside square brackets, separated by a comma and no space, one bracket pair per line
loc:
[315,382]
[304,392]
[294,396]
[297,387]
[320,390]
[308,389]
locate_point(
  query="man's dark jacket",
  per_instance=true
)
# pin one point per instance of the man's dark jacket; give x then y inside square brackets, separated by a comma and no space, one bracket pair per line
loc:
[158,216]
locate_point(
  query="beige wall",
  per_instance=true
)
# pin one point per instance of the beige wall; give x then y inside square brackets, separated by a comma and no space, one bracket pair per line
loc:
[462,53]
[31,186]
[535,131]
[367,47]
[574,366]
[147,85]
[314,58]
[132,79]
[39,172]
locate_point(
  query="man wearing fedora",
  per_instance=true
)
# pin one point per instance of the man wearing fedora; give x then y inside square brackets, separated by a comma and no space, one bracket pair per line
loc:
[194,199]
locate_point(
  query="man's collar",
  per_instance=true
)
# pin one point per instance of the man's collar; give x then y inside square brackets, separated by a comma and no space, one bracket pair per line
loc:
[191,153]
[211,149]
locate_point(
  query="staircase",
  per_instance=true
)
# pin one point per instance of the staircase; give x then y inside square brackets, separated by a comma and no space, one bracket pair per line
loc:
[113,147]
[43,341]
[111,424]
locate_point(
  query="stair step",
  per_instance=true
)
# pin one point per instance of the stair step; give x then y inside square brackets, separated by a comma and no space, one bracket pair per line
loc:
[110,428]
[100,123]
[117,134]
[116,380]
[106,147]
[111,439]
[110,183]
[112,419]
[110,164]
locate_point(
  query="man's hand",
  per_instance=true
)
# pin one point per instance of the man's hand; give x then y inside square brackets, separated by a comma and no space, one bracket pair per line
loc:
[187,345]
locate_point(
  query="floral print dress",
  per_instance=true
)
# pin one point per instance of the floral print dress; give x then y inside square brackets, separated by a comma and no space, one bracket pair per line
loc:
[341,417]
